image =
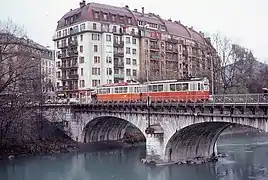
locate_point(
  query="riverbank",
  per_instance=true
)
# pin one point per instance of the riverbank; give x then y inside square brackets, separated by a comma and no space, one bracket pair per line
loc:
[64,144]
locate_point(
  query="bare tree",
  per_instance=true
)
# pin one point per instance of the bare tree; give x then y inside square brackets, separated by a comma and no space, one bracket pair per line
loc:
[232,65]
[20,84]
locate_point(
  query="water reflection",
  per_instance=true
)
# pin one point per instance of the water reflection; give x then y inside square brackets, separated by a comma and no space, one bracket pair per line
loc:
[245,162]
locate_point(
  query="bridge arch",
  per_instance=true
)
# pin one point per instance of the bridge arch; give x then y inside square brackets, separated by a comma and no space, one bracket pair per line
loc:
[198,139]
[108,128]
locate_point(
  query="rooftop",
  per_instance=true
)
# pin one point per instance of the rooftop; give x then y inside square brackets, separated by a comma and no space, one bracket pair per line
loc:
[85,13]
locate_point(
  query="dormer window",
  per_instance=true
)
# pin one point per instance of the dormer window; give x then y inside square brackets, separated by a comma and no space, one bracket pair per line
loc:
[129,20]
[121,19]
[113,18]
[105,17]
[140,23]
[96,15]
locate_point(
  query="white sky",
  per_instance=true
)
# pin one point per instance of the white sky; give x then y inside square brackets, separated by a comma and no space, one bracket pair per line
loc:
[244,21]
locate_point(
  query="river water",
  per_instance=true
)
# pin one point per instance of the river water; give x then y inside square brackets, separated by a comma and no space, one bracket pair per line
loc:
[247,160]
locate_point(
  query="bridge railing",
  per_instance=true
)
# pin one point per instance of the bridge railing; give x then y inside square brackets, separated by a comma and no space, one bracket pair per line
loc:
[240,98]
[212,99]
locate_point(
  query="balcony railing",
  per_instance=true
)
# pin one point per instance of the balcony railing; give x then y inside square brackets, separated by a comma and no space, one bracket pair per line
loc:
[154,47]
[119,54]
[119,76]
[73,76]
[119,43]
[119,64]
[154,56]
[66,66]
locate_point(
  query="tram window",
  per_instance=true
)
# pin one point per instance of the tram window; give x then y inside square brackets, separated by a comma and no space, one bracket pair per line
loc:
[179,87]
[172,87]
[199,87]
[150,88]
[124,89]
[202,86]
[108,91]
[154,88]
[185,86]
[160,88]
[116,90]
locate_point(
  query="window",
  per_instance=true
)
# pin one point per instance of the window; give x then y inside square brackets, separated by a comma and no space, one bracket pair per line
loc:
[81,59]
[121,18]
[114,28]
[105,17]
[128,50]
[128,72]
[82,27]
[134,72]
[82,72]
[134,51]
[140,23]
[129,20]
[96,59]
[108,59]
[81,37]
[82,83]
[96,15]
[58,74]
[134,62]
[109,71]
[95,37]
[134,40]
[108,38]
[81,49]
[128,61]
[58,64]
[95,48]
[94,26]
[95,82]
[95,71]
[127,40]
[113,18]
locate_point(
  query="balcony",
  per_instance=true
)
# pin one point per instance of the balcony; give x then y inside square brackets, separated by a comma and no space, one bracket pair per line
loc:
[154,47]
[69,54]
[169,49]
[73,43]
[119,76]
[185,52]
[118,64]
[119,54]
[154,57]
[68,66]
[119,43]
[62,46]
[171,40]
[73,76]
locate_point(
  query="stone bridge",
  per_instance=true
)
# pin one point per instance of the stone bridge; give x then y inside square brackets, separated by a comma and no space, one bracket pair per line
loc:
[173,131]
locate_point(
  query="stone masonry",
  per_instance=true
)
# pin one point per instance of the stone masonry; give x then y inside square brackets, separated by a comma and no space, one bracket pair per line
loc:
[175,132]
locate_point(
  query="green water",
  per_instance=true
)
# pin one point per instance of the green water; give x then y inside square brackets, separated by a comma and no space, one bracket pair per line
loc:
[248,159]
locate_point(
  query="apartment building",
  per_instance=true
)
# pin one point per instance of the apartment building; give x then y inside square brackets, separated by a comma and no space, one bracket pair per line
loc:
[26,67]
[97,44]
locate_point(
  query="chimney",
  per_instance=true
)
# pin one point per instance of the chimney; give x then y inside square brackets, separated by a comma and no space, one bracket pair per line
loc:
[142,10]
[135,10]
[82,4]
[126,6]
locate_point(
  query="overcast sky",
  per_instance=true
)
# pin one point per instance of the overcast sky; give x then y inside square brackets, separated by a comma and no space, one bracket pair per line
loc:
[244,21]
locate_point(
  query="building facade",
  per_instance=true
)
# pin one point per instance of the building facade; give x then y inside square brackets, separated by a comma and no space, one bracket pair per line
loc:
[26,68]
[97,44]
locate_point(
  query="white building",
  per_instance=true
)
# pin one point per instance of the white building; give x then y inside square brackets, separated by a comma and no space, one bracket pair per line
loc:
[91,52]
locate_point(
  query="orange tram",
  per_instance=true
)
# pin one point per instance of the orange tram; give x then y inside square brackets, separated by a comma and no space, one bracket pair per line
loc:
[192,90]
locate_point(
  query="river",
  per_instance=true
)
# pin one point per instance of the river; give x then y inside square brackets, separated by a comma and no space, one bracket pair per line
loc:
[247,160]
